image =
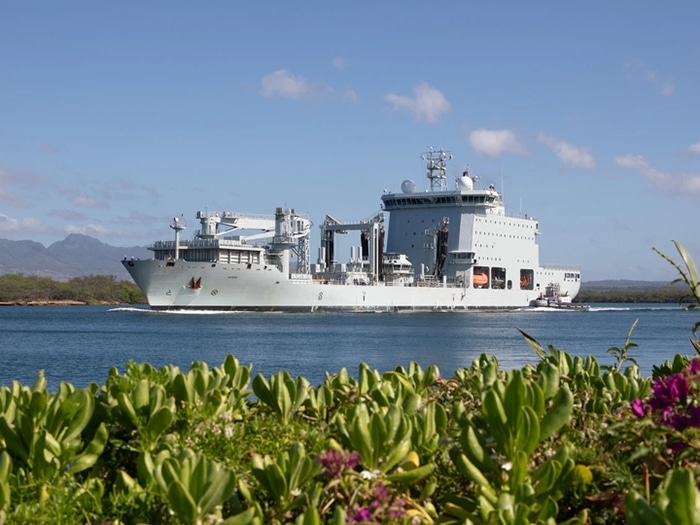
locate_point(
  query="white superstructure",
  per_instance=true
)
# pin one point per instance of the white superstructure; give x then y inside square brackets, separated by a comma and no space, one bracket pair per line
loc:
[445,249]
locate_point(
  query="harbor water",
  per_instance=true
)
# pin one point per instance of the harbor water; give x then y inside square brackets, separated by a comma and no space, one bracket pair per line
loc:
[79,344]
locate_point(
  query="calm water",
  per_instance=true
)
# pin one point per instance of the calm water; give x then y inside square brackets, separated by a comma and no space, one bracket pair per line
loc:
[80,344]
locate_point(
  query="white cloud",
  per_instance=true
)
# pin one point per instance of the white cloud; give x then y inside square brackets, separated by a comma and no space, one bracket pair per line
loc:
[578,157]
[340,63]
[428,104]
[26,182]
[83,201]
[691,185]
[68,215]
[349,95]
[282,83]
[93,230]
[637,70]
[494,142]
[685,185]
[12,199]
[694,148]
[27,226]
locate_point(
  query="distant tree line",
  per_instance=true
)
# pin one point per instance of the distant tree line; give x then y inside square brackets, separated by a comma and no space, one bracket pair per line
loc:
[92,289]
[675,295]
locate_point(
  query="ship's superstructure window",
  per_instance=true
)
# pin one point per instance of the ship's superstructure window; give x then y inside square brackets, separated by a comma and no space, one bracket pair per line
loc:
[481,277]
[498,278]
[461,258]
[527,279]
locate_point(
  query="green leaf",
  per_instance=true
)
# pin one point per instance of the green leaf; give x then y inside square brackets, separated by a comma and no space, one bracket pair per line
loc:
[549,379]
[181,502]
[472,445]
[181,390]
[310,517]
[86,406]
[681,489]
[397,453]
[412,476]
[360,437]
[5,466]
[92,452]
[244,518]
[558,414]
[467,468]
[196,482]
[13,441]
[141,395]
[220,487]
[638,511]
[261,388]
[158,423]
[146,468]
[127,409]
[534,344]
[528,432]
[378,431]
[546,477]
[514,397]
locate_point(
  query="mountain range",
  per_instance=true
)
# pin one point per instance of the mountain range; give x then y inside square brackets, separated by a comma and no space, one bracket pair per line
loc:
[75,256]
[79,255]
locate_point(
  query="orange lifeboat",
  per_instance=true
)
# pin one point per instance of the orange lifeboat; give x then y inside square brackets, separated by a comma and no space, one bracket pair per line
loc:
[481,279]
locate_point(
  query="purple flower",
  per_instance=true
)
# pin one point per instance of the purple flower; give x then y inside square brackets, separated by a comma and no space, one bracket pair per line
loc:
[362,515]
[639,409]
[674,398]
[378,505]
[336,461]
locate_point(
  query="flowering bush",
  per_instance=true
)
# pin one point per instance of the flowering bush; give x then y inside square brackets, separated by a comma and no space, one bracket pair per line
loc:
[675,399]
[336,461]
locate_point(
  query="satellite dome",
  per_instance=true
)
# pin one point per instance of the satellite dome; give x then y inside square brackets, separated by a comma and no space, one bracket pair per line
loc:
[408,186]
[465,182]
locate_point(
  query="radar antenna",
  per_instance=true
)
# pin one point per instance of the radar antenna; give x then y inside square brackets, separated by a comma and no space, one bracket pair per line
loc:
[436,161]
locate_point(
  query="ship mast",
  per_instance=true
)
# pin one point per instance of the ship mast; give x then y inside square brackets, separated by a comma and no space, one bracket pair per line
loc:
[436,161]
[178,225]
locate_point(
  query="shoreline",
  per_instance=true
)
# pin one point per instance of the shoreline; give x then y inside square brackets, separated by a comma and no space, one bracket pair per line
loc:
[52,303]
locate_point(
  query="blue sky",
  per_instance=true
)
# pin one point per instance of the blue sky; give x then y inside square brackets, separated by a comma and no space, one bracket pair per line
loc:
[117,116]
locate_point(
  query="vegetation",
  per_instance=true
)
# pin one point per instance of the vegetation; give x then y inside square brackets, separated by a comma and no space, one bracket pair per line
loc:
[653,295]
[565,441]
[93,289]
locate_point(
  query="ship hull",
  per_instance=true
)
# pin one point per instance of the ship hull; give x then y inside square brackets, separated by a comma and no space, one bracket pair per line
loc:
[185,285]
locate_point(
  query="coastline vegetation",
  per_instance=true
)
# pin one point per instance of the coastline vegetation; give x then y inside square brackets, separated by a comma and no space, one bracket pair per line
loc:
[652,295]
[564,441]
[93,289]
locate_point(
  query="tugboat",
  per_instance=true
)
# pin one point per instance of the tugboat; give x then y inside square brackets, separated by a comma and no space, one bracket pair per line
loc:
[554,298]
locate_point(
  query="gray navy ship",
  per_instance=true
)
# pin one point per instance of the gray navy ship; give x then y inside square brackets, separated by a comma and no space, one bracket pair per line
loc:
[450,247]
